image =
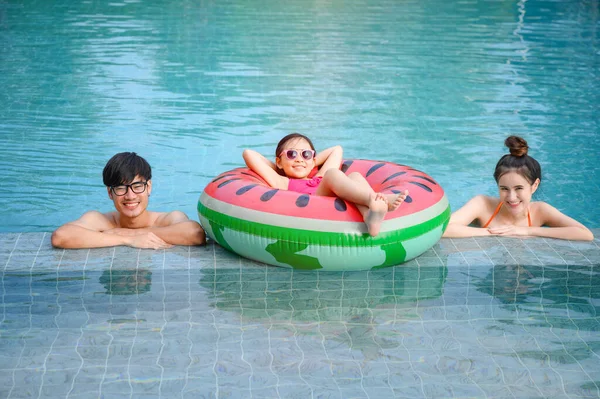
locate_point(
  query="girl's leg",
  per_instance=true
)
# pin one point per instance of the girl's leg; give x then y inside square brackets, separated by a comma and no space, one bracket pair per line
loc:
[393,200]
[371,205]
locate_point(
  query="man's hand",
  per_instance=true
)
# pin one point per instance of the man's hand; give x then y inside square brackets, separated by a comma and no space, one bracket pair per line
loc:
[120,231]
[148,240]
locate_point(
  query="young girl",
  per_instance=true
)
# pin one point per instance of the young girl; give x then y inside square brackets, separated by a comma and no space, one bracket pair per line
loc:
[295,158]
[513,214]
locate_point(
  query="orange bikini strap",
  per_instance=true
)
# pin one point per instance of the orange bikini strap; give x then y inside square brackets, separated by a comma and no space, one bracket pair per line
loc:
[493,215]
[498,210]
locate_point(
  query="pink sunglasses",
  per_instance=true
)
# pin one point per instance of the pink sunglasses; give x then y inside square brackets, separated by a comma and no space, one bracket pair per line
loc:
[292,154]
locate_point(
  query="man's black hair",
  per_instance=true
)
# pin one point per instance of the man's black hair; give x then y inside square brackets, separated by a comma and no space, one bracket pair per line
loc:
[123,167]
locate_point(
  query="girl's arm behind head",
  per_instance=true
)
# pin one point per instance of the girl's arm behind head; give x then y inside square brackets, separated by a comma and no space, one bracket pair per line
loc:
[265,169]
[331,158]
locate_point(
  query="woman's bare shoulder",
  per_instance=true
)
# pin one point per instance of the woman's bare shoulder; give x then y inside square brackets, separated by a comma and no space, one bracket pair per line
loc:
[484,201]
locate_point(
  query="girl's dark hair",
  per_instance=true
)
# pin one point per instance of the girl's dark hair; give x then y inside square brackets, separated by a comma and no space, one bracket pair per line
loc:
[123,167]
[290,137]
[518,161]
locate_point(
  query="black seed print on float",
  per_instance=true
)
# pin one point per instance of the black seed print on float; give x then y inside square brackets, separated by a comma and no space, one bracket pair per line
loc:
[392,176]
[245,189]
[424,187]
[346,165]
[408,198]
[302,200]
[426,178]
[340,205]
[222,177]
[226,182]
[251,176]
[268,195]
[374,168]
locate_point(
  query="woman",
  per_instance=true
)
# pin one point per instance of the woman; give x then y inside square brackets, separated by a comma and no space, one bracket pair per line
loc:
[513,214]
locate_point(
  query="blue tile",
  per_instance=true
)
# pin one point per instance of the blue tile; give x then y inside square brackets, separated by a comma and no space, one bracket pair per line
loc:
[265,330]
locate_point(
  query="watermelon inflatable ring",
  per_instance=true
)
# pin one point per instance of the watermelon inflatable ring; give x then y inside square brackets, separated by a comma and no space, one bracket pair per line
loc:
[284,228]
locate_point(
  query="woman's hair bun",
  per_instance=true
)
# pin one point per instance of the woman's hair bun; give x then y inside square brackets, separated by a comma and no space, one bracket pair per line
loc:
[517,146]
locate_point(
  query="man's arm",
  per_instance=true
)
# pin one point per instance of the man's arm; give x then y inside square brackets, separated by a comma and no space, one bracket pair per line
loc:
[175,228]
[90,231]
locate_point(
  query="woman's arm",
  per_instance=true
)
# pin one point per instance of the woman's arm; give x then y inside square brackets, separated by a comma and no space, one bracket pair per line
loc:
[559,226]
[461,231]
[461,219]
[329,158]
[265,169]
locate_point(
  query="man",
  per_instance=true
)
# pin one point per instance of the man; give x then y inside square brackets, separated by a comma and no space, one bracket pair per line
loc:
[127,178]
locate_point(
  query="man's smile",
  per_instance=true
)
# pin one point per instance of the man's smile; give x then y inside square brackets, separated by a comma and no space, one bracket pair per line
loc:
[131,204]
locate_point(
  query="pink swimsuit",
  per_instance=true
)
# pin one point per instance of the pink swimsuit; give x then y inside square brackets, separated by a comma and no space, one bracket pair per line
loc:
[305,186]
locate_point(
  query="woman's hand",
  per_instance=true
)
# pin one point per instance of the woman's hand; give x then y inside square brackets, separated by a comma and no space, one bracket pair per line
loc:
[509,230]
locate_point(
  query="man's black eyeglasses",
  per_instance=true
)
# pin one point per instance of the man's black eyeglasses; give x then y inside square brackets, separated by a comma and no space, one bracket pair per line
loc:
[137,187]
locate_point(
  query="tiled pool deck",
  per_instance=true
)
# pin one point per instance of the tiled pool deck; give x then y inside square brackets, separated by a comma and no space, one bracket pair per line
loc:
[489,318]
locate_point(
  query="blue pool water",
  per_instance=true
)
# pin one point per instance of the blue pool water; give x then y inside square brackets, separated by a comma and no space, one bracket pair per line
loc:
[188,84]
[436,85]
[485,318]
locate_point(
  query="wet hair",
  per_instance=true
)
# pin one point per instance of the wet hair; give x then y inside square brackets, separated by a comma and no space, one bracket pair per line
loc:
[123,167]
[289,137]
[518,161]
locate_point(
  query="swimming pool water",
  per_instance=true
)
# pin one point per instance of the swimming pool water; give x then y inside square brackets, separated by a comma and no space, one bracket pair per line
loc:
[436,85]
[476,318]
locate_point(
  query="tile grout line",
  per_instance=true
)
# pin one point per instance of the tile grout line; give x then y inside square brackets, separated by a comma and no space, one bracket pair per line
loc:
[30,316]
[82,361]
[55,323]
[492,265]
[516,309]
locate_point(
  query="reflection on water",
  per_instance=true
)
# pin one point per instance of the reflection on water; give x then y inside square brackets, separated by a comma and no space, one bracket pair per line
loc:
[566,296]
[436,85]
[126,281]
[561,298]
[313,297]
[351,309]
[459,330]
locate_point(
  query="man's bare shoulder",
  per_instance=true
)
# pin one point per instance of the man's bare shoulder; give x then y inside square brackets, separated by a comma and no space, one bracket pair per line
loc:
[163,219]
[96,220]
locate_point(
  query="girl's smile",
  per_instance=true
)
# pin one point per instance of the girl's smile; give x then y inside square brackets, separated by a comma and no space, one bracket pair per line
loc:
[298,167]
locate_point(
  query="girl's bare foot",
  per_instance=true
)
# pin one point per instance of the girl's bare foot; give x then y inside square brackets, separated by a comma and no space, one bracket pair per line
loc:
[378,207]
[395,200]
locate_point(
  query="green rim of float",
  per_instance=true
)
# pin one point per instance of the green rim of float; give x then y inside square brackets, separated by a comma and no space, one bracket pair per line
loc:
[314,237]
[273,236]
